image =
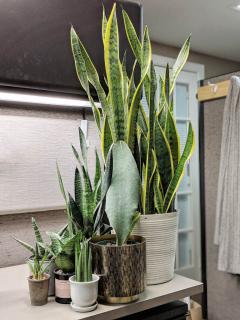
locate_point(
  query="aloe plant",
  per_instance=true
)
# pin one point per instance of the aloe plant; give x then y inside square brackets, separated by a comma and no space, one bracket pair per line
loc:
[83,207]
[83,260]
[153,138]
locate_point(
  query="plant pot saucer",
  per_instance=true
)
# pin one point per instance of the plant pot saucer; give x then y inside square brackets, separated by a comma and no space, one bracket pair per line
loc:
[84,309]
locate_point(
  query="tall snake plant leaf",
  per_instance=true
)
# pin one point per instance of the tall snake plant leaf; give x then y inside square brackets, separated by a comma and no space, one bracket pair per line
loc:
[77,215]
[164,156]
[79,61]
[106,138]
[88,68]
[98,170]
[106,181]
[78,190]
[83,147]
[173,139]
[158,197]
[26,246]
[38,236]
[122,198]
[104,24]
[114,74]
[134,109]
[179,172]
[132,37]
[87,194]
[180,62]
[69,215]
[150,138]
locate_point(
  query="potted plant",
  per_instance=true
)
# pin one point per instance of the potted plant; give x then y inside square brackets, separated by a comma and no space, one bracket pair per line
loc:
[151,136]
[38,281]
[62,249]
[120,259]
[84,284]
[85,214]
[42,250]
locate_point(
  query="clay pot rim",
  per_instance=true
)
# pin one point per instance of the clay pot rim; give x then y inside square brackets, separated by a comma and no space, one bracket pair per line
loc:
[85,283]
[63,273]
[46,277]
[96,239]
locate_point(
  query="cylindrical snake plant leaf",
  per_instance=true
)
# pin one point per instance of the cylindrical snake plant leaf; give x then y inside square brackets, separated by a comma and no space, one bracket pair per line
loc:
[123,194]
[179,172]
[114,75]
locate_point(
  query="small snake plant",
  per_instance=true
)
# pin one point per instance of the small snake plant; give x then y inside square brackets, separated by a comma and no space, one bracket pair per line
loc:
[38,266]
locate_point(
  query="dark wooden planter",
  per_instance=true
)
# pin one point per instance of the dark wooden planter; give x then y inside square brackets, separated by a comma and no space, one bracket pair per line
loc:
[122,269]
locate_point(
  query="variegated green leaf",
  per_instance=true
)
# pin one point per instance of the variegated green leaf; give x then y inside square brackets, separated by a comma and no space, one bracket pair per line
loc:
[164,157]
[179,172]
[134,109]
[132,37]
[173,139]
[180,62]
[106,138]
[114,74]
[98,171]
[104,24]
[26,246]
[83,147]
[78,190]
[38,236]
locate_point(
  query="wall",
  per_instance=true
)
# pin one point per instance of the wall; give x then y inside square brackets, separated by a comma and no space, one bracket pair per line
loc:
[213,66]
[19,225]
[222,288]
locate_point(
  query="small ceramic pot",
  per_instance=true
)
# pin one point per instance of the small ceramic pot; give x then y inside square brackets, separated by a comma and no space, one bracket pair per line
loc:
[50,270]
[38,290]
[84,294]
[160,232]
[122,269]
[62,287]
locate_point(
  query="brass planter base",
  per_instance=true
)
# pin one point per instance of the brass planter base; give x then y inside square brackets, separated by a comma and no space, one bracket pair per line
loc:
[116,300]
[122,269]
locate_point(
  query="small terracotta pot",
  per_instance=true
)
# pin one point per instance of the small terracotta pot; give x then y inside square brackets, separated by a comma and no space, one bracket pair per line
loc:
[122,269]
[38,290]
[62,287]
[50,270]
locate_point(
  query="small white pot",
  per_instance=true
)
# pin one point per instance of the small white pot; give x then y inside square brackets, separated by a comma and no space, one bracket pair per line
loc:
[84,294]
[160,232]
[50,270]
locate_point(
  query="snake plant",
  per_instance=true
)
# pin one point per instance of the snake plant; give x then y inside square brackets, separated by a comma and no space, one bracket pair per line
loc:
[38,267]
[82,209]
[152,136]
[83,260]
[39,243]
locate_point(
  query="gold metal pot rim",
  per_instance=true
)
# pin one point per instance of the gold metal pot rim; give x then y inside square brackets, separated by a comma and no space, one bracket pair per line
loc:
[96,239]
[118,300]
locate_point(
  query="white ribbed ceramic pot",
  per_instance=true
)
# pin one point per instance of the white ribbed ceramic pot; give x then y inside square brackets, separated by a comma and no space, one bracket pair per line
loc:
[160,232]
